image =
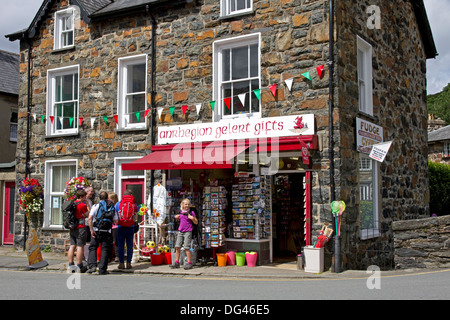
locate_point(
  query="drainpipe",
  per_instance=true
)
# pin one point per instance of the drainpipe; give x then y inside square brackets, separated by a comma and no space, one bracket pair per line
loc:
[152,98]
[27,150]
[337,245]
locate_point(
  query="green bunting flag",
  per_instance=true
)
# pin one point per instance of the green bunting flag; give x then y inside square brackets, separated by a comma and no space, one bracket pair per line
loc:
[212,103]
[138,114]
[307,75]
[172,109]
[257,93]
[105,118]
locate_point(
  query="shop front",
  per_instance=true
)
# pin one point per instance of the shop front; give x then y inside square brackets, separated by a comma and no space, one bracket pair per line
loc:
[251,191]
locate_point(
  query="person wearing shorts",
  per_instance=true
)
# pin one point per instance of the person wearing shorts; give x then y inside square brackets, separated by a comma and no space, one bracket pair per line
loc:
[78,235]
[184,237]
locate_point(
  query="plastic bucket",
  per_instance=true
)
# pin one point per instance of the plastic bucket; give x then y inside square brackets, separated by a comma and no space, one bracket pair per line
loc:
[221,259]
[252,258]
[167,257]
[156,259]
[231,258]
[240,258]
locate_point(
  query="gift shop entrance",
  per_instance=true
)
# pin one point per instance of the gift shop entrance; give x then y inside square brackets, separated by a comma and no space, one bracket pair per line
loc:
[288,215]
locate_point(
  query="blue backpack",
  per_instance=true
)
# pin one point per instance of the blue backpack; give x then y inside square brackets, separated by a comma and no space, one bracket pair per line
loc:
[105,216]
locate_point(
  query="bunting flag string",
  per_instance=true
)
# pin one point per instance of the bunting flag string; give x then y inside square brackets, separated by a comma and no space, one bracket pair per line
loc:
[227,101]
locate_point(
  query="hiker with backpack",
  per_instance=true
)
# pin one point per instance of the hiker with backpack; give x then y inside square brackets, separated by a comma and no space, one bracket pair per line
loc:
[125,228]
[101,219]
[78,212]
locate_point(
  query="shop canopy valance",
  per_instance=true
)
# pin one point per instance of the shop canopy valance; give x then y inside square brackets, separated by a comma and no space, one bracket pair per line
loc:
[212,155]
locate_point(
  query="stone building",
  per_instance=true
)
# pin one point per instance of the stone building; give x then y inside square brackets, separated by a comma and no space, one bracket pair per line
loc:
[113,82]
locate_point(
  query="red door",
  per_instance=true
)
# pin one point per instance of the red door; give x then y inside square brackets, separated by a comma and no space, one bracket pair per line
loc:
[8,222]
[136,186]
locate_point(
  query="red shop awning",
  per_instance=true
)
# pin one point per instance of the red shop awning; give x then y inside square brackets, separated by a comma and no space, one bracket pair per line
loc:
[216,155]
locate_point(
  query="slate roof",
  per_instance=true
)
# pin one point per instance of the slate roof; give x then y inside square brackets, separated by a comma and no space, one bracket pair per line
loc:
[439,134]
[9,72]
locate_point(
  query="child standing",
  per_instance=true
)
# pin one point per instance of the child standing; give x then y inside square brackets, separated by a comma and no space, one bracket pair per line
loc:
[184,236]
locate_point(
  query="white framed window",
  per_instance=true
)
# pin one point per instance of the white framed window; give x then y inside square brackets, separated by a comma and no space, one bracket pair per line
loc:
[365,87]
[121,175]
[132,102]
[237,73]
[235,7]
[446,152]
[57,173]
[62,101]
[13,125]
[368,198]
[64,29]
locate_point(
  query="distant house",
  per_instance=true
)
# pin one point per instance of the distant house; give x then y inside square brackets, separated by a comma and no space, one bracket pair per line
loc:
[118,87]
[439,145]
[9,97]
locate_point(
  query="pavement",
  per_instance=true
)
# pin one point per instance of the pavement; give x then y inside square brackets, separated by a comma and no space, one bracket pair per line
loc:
[16,259]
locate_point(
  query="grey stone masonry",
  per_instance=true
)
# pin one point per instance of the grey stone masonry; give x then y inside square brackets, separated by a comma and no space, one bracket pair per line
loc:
[422,243]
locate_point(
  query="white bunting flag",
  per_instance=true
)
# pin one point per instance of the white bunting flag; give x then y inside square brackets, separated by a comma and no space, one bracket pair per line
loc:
[289,83]
[198,106]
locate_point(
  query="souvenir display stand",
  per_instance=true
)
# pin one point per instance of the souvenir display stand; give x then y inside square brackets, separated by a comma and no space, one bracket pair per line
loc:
[148,231]
[213,225]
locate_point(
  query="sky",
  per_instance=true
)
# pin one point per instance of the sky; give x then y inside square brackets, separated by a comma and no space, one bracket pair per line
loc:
[18,14]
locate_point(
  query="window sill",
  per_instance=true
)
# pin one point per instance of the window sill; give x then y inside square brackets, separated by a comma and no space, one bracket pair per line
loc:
[60,135]
[55,51]
[367,234]
[233,15]
[131,129]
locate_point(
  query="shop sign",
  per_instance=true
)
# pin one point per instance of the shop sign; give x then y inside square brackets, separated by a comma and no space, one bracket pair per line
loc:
[367,134]
[237,129]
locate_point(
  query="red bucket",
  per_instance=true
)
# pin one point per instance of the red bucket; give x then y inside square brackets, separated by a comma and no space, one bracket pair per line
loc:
[157,259]
[167,257]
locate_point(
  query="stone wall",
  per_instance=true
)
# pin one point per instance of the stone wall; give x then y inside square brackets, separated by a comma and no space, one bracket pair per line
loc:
[422,243]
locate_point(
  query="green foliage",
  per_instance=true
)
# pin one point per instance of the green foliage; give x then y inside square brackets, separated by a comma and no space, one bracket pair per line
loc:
[439,175]
[439,104]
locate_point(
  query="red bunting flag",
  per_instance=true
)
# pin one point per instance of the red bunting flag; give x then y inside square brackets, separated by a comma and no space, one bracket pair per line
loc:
[52,118]
[227,102]
[146,112]
[80,121]
[273,88]
[184,109]
[319,71]
[116,117]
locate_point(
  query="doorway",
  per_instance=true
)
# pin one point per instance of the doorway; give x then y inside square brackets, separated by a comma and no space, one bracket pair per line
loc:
[136,186]
[8,222]
[288,216]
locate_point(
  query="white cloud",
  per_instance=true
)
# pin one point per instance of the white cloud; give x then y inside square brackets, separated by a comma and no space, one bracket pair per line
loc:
[438,69]
[15,15]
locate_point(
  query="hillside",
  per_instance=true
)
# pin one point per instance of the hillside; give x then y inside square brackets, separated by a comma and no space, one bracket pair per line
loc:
[439,104]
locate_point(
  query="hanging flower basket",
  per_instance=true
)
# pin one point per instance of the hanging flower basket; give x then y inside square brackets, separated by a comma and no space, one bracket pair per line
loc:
[31,197]
[74,184]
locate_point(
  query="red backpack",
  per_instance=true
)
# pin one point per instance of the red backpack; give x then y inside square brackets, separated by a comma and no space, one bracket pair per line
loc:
[128,209]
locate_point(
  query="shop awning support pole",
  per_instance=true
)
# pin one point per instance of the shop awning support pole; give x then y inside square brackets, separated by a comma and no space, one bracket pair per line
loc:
[337,245]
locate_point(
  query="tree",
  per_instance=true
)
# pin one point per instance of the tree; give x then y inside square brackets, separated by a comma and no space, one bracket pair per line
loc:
[439,104]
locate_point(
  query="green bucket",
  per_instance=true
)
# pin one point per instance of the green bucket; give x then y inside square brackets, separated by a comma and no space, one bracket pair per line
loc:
[240,258]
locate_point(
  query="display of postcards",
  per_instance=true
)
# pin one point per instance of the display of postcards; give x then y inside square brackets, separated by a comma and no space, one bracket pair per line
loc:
[248,192]
[214,219]
[236,229]
[206,205]
[214,195]
[214,213]
[256,204]
[235,192]
[250,228]
[214,189]
[214,225]
[242,198]
[235,198]
[215,237]
[243,234]
[207,189]
[243,222]
[255,185]
[214,231]
[249,216]
[214,201]
[250,211]
[248,186]
[242,216]
[214,244]
[256,179]
[249,204]
[207,229]
[235,222]
[207,197]
[214,207]
[223,200]
[207,213]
